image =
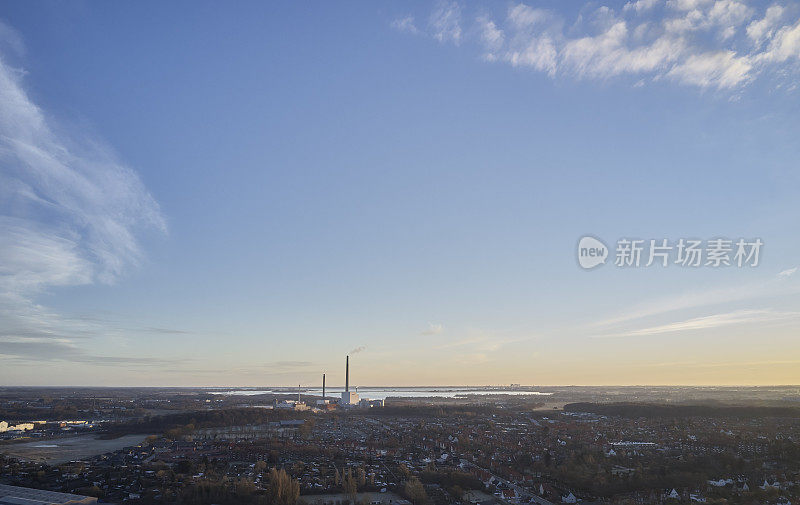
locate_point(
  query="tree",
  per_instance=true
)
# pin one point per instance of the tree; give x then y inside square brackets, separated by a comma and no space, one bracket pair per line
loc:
[349,485]
[457,492]
[415,491]
[403,470]
[282,489]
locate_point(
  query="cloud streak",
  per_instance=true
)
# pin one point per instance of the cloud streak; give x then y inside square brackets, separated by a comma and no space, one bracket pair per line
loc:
[708,44]
[765,316]
[70,215]
[780,285]
[27,349]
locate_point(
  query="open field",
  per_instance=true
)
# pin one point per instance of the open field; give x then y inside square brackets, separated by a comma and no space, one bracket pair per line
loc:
[551,405]
[60,450]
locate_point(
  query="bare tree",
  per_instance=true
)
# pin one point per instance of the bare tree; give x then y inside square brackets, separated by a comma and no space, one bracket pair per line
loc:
[282,489]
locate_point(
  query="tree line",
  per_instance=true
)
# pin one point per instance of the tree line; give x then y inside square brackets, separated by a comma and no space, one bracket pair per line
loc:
[659,410]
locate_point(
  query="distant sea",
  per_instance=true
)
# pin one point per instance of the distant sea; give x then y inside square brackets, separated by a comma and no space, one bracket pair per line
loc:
[383,393]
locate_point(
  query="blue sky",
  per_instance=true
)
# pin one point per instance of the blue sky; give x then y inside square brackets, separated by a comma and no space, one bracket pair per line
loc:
[198,194]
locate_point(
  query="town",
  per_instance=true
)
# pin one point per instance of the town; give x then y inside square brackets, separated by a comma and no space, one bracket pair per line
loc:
[199,446]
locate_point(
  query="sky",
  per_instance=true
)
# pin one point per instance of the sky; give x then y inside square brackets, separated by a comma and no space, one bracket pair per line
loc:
[206,194]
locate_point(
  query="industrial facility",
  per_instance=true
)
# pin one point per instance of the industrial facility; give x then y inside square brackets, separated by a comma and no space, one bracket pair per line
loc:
[348,399]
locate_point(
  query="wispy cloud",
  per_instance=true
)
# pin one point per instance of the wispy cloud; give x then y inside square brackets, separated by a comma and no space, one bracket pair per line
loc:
[730,364]
[10,38]
[482,342]
[712,44]
[26,349]
[765,316]
[70,214]
[433,329]
[405,24]
[166,331]
[776,286]
[763,30]
[445,22]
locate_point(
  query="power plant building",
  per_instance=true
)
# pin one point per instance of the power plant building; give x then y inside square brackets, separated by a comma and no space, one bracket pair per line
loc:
[349,398]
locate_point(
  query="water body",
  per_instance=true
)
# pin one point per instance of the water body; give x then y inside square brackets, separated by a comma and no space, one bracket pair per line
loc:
[383,393]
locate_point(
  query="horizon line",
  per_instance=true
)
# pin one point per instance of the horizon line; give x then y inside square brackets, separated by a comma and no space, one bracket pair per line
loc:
[418,387]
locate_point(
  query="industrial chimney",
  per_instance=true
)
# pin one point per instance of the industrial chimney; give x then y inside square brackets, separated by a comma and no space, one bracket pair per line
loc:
[347,375]
[323,387]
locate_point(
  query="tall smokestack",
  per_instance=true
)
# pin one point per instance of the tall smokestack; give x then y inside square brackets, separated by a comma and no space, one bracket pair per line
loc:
[347,375]
[323,387]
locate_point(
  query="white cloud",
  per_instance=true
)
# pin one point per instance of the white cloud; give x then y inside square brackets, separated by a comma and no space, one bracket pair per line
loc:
[788,272]
[445,22]
[722,16]
[530,39]
[405,24]
[608,54]
[785,45]
[640,6]
[33,257]
[491,35]
[523,16]
[539,53]
[687,5]
[70,214]
[722,69]
[709,44]
[764,29]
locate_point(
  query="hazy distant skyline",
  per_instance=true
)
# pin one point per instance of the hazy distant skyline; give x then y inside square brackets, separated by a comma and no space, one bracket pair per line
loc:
[199,196]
